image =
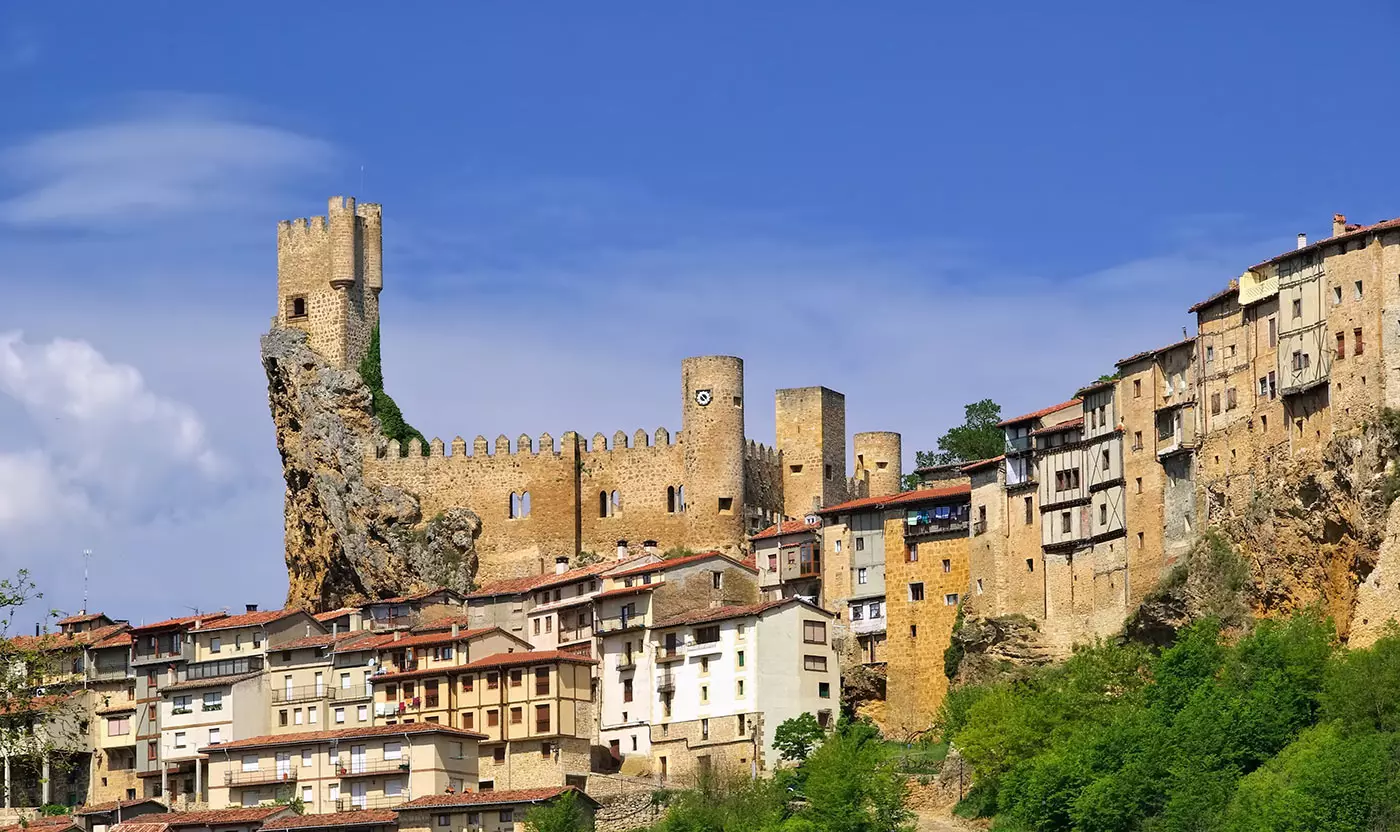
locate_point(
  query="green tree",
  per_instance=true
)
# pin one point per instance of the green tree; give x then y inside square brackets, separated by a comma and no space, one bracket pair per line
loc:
[978,437]
[384,408]
[563,814]
[851,786]
[797,737]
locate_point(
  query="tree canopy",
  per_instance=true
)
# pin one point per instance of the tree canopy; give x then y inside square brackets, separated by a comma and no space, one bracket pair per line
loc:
[978,437]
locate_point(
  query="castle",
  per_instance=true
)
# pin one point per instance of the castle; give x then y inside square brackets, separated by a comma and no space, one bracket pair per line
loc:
[706,487]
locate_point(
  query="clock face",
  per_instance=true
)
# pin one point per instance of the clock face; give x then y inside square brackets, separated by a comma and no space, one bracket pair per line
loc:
[703,397]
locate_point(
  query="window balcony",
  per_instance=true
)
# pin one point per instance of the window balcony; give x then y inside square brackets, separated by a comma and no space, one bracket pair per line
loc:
[377,801]
[670,652]
[261,777]
[626,661]
[352,693]
[936,526]
[666,683]
[371,768]
[1018,444]
[223,667]
[300,693]
[618,623]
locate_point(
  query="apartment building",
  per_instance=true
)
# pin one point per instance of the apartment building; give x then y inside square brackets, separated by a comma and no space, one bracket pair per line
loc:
[630,601]
[415,675]
[788,556]
[111,687]
[375,767]
[484,811]
[407,611]
[853,544]
[323,676]
[727,677]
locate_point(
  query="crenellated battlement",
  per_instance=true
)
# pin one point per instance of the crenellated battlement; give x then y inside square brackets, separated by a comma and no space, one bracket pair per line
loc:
[762,454]
[301,227]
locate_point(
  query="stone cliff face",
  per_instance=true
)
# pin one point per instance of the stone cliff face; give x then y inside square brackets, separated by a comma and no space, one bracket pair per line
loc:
[348,540]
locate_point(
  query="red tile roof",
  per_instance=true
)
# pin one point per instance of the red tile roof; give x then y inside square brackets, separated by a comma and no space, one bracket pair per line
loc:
[42,824]
[1044,411]
[528,657]
[519,586]
[111,806]
[1149,353]
[80,618]
[269,740]
[416,596]
[624,590]
[314,640]
[210,817]
[65,641]
[331,615]
[211,682]
[903,498]
[248,619]
[1232,289]
[387,640]
[335,820]
[1352,231]
[703,616]
[1062,426]
[186,621]
[787,527]
[982,463]
[478,799]
[672,563]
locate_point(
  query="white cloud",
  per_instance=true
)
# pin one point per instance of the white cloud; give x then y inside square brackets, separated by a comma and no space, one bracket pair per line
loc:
[31,492]
[182,158]
[111,447]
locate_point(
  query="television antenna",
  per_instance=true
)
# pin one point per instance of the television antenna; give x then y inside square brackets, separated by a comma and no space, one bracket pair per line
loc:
[87,559]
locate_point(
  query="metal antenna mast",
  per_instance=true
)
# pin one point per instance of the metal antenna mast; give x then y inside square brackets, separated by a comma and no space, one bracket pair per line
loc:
[87,559]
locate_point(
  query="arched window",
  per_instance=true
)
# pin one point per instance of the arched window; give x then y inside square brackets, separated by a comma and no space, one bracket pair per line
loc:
[670,499]
[680,498]
[525,504]
[616,502]
[514,510]
[602,504]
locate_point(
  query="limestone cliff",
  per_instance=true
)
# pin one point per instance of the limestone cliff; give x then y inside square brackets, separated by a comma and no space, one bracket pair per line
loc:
[348,540]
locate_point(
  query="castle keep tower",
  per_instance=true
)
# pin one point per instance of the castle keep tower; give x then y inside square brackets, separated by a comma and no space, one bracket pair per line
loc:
[812,439]
[878,461]
[712,434]
[329,275]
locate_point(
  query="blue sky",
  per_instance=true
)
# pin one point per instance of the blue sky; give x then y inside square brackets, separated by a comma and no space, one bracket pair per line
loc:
[916,204]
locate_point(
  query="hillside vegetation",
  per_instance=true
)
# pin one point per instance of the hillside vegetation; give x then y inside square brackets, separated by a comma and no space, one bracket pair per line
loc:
[1281,728]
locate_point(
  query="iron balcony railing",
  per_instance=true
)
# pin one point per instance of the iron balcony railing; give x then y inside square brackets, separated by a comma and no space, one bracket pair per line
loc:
[378,801]
[936,527]
[298,693]
[352,692]
[616,623]
[670,652]
[260,777]
[626,661]
[666,683]
[371,768]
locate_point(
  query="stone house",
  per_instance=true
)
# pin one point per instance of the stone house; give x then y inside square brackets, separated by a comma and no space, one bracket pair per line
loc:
[483,811]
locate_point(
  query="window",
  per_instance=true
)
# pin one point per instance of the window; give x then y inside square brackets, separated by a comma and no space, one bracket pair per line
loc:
[916,592]
[947,565]
[1263,385]
[704,665]
[1297,309]
[913,630]
[874,610]
[1230,399]
[1103,515]
[824,690]
[837,546]
[517,716]
[1067,480]
[1137,484]
[1336,295]
[796,469]
[826,469]
[282,717]
[1210,354]
[393,750]
[979,586]
[1214,404]
[707,635]
[311,714]
[1030,564]
[468,720]
[1065,524]
[214,644]
[297,307]
[179,739]
[118,726]
[542,719]
[516,678]
[1356,341]
[603,506]
[704,729]
[150,751]
[860,544]
[1104,463]
[950,600]
[1137,388]
[857,613]
[1301,360]
[1273,387]
[1030,511]
[1273,333]
[739,658]
[814,632]
[626,690]
[541,681]
[704,693]
[726,505]
[817,663]
[1341,345]
[1137,441]
[911,553]
[493,718]
[862,575]
[307,755]
[296,716]
[716,579]
[1356,289]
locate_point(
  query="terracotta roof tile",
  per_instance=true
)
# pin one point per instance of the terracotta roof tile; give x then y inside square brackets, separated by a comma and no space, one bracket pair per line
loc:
[331,615]
[1353,231]
[1062,426]
[903,498]
[248,619]
[315,640]
[269,740]
[518,586]
[213,681]
[335,820]
[65,641]
[982,463]
[416,596]
[704,616]
[111,806]
[664,565]
[1232,289]
[175,820]
[80,618]
[186,621]
[1150,353]
[528,657]
[494,798]
[787,527]
[1044,411]
[42,824]
[624,590]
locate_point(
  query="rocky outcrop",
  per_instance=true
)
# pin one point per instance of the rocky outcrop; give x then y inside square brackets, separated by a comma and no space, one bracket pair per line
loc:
[349,540]
[989,648]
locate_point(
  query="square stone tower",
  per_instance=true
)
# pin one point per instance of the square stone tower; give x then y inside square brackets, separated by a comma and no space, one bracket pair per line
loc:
[329,275]
[812,439]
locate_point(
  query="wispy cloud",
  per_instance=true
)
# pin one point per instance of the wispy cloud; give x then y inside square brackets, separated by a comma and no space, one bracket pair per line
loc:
[171,158]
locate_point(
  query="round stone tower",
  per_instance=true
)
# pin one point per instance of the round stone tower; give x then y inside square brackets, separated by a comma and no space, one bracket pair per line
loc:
[712,435]
[878,458]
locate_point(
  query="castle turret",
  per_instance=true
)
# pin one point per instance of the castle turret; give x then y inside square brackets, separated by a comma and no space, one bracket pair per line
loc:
[878,461]
[329,273]
[712,433]
[811,433]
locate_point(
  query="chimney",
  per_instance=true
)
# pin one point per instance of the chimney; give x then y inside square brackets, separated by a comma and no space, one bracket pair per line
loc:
[649,546]
[398,634]
[1339,224]
[36,628]
[455,629]
[561,565]
[335,630]
[250,607]
[622,550]
[1302,241]
[197,622]
[356,620]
